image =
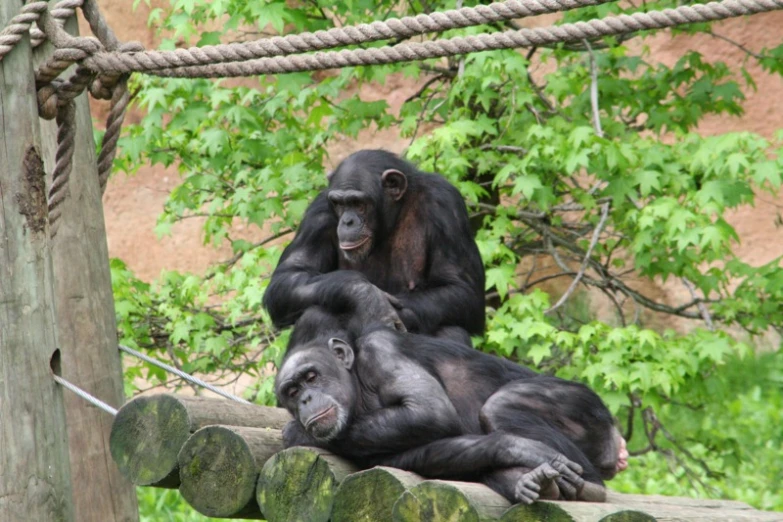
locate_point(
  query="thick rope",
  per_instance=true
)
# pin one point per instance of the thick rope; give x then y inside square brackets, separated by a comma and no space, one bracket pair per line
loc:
[63,10]
[336,37]
[119,104]
[84,395]
[66,134]
[609,26]
[183,375]
[19,25]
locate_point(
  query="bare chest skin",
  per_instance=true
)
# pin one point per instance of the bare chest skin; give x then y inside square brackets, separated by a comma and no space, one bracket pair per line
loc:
[399,265]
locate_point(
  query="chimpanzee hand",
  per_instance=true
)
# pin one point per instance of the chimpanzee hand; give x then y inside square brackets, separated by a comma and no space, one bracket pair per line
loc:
[529,486]
[532,454]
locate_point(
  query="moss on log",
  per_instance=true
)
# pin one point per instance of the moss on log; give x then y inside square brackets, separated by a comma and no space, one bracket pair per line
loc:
[573,512]
[219,467]
[369,496]
[149,431]
[298,485]
[448,501]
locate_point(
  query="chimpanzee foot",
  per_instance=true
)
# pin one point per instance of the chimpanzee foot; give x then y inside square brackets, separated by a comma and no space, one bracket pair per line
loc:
[569,480]
[622,454]
[533,483]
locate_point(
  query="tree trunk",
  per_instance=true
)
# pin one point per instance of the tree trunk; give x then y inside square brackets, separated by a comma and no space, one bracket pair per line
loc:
[35,479]
[219,467]
[86,325]
[298,485]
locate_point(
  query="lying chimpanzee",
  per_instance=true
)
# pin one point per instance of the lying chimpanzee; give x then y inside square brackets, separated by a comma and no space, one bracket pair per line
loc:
[444,410]
[407,231]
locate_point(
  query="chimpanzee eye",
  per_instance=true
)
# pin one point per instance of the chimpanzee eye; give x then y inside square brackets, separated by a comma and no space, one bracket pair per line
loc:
[311,377]
[361,207]
[292,392]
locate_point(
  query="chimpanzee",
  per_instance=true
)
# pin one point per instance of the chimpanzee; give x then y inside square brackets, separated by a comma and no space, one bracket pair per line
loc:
[444,410]
[407,231]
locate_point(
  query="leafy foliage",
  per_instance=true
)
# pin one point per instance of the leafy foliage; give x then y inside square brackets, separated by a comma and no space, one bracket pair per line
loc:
[577,220]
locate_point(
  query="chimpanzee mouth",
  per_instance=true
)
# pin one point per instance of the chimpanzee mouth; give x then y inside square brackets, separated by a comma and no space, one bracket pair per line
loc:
[317,418]
[354,246]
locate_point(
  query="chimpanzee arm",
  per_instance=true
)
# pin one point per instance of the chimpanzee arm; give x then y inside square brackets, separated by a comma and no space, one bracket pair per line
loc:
[415,408]
[465,456]
[453,293]
[311,254]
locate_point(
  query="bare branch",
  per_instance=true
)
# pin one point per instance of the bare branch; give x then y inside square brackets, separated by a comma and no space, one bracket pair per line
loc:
[705,312]
[581,273]
[594,90]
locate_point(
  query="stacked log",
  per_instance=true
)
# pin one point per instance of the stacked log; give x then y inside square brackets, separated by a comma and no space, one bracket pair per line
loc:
[227,460]
[149,431]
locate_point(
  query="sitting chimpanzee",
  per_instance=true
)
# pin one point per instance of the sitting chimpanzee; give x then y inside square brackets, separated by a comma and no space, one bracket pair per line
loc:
[407,231]
[444,410]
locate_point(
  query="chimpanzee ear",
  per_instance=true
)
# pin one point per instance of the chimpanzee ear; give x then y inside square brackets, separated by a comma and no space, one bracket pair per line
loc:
[394,183]
[329,176]
[342,351]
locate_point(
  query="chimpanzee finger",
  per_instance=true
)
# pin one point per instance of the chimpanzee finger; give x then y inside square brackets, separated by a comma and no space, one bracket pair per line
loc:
[527,490]
[567,490]
[568,469]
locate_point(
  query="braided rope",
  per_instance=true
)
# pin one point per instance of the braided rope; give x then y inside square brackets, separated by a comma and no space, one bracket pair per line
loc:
[19,25]
[336,37]
[63,10]
[66,134]
[609,26]
[119,103]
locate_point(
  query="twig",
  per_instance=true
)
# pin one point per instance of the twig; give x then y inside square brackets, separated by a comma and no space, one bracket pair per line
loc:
[594,90]
[705,313]
[736,44]
[586,261]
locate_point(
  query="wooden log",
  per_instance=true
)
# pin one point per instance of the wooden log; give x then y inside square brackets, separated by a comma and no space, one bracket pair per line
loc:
[86,323]
[449,501]
[36,480]
[219,467]
[639,508]
[299,484]
[369,496]
[149,431]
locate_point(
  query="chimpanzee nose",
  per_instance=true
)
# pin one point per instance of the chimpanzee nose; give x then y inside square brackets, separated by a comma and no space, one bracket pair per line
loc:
[306,398]
[348,221]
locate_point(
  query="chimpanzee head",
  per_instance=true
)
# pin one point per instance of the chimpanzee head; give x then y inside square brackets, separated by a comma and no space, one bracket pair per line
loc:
[315,385]
[366,191]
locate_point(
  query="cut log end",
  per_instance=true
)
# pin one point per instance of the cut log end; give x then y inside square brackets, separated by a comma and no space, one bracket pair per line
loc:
[434,502]
[215,460]
[369,496]
[298,484]
[146,437]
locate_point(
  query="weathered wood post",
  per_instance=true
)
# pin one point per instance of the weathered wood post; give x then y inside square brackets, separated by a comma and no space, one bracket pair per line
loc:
[35,480]
[86,324]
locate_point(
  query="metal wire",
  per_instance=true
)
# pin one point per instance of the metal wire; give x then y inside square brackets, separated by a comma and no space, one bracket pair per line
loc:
[181,374]
[84,395]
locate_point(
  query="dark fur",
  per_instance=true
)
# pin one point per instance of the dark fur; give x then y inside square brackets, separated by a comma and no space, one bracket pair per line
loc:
[423,252]
[442,409]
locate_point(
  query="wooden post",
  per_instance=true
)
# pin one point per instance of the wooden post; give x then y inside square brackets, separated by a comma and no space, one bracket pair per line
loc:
[35,479]
[86,324]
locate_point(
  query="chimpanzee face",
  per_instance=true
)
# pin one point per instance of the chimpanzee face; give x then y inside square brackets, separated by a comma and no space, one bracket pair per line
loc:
[363,198]
[316,387]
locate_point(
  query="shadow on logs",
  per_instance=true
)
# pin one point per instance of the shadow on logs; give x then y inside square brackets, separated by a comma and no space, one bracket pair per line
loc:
[149,431]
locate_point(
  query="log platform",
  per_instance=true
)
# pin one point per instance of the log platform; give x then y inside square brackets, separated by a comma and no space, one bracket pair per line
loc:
[227,460]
